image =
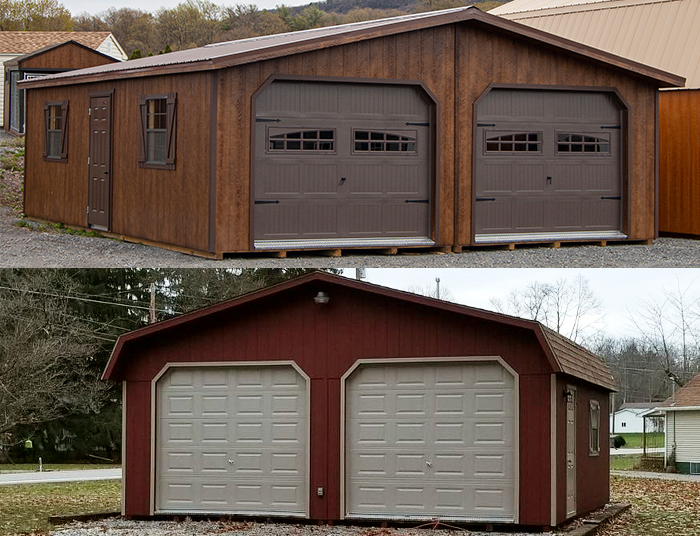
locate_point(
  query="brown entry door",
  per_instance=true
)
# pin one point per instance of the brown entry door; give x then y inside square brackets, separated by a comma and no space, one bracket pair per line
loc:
[548,166]
[100,163]
[342,165]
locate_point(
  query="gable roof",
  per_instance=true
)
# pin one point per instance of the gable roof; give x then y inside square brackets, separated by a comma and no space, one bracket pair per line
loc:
[687,396]
[25,42]
[564,355]
[639,406]
[15,61]
[221,55]
[661,33]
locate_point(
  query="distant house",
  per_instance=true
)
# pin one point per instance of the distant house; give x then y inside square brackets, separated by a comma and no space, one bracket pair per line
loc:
[661,33]
[628,419]
[682,413]
[14,45]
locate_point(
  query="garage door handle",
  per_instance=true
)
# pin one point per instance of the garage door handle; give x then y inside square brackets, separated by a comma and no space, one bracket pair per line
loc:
[342,180]
[549,180]
[231,462]
[417,201]
[485,198]
[610,197]
[276,202]
[429,464]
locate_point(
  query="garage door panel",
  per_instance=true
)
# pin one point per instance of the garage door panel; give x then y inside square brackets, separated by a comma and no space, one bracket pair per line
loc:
[529,215]
[240,448]
[423,439]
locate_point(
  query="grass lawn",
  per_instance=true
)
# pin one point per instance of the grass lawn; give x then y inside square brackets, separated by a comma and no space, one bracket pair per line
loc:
[24,467]
[634,441]
[624,463]
[659,507]
[26,508]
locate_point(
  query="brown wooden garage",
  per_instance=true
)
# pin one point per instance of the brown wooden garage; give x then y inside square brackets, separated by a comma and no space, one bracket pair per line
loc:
[336,138]
[373,404]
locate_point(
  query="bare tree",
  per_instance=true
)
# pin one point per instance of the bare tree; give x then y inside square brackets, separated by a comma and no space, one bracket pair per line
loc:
[34,15]
[569,307]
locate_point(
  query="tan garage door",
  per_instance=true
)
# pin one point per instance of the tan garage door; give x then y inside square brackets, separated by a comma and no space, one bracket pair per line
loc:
[232,440]
[431,440]
[342,165]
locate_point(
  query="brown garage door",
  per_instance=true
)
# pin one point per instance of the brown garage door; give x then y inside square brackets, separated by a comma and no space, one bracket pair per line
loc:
[342,165]
[548,166]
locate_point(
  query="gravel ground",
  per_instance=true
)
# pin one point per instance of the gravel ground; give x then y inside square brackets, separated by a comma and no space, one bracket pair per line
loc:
[121,527]
[32,247]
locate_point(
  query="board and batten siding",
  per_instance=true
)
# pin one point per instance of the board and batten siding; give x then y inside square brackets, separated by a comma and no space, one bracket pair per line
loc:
[4,58]
[683,431]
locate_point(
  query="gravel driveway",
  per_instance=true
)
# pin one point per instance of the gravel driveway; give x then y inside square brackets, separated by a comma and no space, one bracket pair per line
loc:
[28,247]
[120,527]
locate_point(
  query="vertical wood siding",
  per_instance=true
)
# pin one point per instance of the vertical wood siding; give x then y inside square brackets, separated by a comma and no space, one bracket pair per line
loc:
[325,341]
[679,165]
[68,56]
[168,206]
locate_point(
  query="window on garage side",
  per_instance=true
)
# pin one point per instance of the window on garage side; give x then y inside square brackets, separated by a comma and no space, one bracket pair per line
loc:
[572,143]
[157,128]
[376,141]
[55,131]
[293,140]
[594,428]
[514,142]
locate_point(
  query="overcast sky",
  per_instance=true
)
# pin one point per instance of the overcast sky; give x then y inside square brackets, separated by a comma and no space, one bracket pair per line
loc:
[619,290]
[81,6]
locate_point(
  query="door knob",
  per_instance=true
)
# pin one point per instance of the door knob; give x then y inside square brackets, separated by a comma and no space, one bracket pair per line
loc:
[429,464]
[231,462]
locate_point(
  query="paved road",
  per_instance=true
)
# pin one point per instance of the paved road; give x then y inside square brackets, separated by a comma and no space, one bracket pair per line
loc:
[60,476]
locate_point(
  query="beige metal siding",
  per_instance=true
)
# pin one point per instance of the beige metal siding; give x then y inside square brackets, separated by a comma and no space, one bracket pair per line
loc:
[661,33]
[232,440]
[687,435]
[431,440]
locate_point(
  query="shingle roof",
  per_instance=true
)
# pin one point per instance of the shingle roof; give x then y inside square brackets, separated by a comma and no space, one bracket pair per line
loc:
[662,33]
[563,355]
[221,55]
[686,396]
[639,405]
[25,42]
[576,361]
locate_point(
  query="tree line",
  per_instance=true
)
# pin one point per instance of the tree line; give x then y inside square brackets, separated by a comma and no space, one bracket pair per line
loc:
[195,23]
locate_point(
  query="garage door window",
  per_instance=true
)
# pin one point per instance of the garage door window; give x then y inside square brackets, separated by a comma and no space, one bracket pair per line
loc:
[282,140]
[514,142]
[373,141]
[568,143]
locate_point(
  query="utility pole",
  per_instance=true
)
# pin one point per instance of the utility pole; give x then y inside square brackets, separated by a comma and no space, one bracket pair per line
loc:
[152,308]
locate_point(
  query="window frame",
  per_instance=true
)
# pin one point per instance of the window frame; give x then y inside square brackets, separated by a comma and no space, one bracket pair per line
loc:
[62,157]
[170,131]
[500,133]
[583,153]
[276,131]
[410,133]
[594,428]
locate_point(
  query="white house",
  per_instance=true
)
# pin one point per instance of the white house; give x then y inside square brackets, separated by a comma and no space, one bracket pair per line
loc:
[628,419]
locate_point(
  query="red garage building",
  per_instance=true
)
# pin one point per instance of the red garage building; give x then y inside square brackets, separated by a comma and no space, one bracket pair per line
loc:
[328,398]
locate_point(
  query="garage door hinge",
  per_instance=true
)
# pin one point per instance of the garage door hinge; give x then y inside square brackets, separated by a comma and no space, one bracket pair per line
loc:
[614,127]
[485,198]
[417,200]
[610,197]
[408,123]
[276,202]
[486,124]
[266,120]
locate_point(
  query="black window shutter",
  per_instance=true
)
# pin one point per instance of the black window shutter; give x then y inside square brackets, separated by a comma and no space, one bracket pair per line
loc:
[64,130]
[171,125]
[142,131]
[45,150]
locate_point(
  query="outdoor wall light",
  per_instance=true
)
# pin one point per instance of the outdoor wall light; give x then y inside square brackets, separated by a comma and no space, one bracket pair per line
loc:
[322,298]
[569,395]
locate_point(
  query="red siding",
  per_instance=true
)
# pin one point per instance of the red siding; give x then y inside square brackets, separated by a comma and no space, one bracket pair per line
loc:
[325,340]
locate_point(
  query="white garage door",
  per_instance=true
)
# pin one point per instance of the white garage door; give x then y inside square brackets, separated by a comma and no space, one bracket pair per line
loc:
[431,440]
[232,440]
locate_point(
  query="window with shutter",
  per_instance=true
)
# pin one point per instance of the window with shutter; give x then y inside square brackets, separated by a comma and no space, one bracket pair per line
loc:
[55,131]
[157,127]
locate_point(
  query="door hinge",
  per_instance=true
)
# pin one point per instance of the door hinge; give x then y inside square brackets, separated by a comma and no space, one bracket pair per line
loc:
[486,124]
[614,127]
[408,123]
[610,197]
[89,111]
[276,202]
[87,209]
[417,201]
[88,160]
[265,120]
[485,199]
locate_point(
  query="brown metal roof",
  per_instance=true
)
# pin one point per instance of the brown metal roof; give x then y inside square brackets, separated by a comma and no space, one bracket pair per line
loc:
[16,61]
[24,42]
[686,396]
[662,33]
[220,55]
[562,354]
[576,361]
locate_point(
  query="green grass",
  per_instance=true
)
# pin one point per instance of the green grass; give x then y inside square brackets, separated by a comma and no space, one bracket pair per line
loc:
[634,441]
[26,508]
[624,463]
[20,467]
